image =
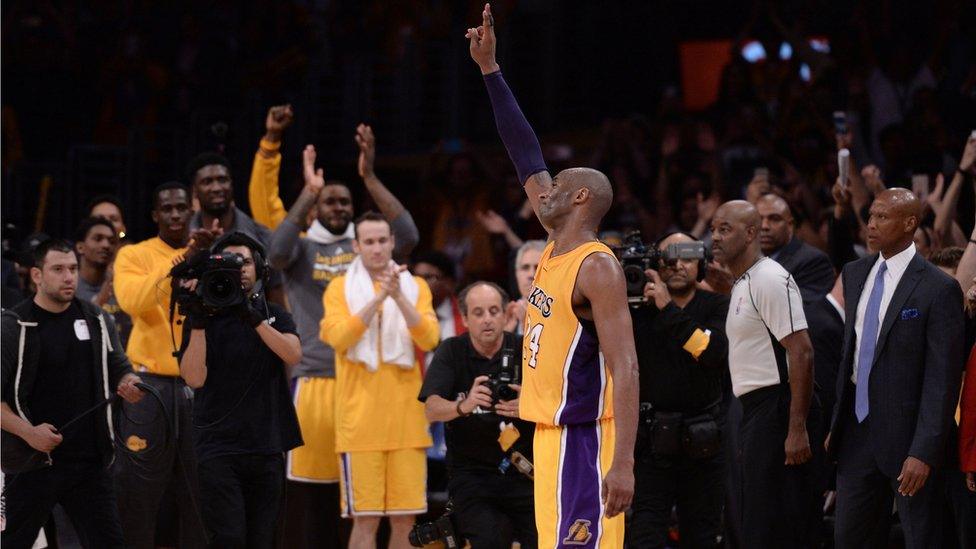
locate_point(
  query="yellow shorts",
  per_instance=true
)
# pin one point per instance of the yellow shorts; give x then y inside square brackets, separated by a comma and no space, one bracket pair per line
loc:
[316,461]
[570,464]
[381,483]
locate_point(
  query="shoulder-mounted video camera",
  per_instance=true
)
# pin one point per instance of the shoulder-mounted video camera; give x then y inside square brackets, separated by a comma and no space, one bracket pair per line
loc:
[218,277]
[636,257]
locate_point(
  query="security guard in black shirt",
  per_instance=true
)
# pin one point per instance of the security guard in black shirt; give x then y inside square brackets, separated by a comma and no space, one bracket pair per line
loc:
[682,355]
[489,450]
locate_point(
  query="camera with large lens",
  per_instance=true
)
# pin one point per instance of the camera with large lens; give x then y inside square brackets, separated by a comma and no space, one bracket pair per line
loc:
[218,286]
[636,257]
[498,383]
[441,529]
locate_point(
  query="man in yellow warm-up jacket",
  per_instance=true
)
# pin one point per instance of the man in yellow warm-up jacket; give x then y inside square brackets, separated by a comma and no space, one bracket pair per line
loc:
[374,315]
[153,456]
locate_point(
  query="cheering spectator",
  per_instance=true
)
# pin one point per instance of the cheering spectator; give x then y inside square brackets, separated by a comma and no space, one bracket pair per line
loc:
[374,315]
[96,243]
[309,264]
[152,464]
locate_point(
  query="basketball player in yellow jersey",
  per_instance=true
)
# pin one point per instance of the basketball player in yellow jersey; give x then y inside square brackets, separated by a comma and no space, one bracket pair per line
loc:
[579,369]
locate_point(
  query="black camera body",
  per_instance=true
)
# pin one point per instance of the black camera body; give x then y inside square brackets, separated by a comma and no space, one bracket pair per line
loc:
[218,287]
[636,257]
[498,383]
[441,529]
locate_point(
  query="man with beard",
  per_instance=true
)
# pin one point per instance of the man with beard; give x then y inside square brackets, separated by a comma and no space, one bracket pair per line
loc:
[682,355]
[56,449]
[309,264]
[148,466]
[96,243]
[210,177]
[243,418]
[811,268]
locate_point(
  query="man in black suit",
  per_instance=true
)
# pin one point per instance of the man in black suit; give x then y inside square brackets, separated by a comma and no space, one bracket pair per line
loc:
[898,382]
[810,267]
[826,319]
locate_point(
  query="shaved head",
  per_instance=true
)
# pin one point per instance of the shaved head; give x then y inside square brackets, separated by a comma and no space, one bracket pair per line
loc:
[566,190]
[903,201]
[894,217]
[740,211]
[601,192]
[735,235]
[774,201]
[776,229]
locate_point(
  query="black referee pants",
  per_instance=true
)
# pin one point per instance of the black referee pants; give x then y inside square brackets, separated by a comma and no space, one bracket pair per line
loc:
[781,505]
[85,492]
[492,510]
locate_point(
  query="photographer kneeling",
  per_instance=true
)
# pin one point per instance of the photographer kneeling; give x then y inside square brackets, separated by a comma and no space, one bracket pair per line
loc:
[234,356]
[489,450]
[682,354]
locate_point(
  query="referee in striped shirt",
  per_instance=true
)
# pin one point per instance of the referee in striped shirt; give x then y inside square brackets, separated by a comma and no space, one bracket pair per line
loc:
[771,365]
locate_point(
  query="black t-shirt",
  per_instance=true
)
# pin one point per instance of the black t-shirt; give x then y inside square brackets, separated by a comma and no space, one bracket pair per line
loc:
[672,379]
[472,442]
[65,385]
[244,406]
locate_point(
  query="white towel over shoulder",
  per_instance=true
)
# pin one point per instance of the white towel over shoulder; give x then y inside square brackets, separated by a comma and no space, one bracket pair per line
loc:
[389,329]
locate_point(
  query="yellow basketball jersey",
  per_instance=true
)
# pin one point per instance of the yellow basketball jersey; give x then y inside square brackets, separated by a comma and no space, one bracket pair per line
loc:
[564,378]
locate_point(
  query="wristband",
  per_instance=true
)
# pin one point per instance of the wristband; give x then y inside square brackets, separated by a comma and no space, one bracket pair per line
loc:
[270,146]
[459,411]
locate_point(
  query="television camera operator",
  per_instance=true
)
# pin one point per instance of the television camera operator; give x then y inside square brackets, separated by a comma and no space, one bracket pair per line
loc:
[682,352]
[234,355]
[472,386]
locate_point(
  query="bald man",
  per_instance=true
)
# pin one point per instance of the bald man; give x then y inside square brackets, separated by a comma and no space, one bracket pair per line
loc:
[810,267]
[897,384]
[771,365]
[580,380]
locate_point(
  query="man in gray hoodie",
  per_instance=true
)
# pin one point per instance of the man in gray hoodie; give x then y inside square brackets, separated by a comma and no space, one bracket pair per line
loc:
[308,263]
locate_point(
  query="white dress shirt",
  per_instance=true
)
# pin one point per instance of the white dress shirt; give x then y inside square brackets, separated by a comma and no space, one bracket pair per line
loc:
[897,264]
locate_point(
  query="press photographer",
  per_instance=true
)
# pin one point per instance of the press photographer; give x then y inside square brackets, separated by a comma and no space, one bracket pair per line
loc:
[682,351]
[472,381]
[234,356]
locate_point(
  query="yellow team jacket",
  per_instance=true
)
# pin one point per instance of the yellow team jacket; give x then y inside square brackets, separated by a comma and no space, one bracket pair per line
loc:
[262,191]
[142,288]
[376,410]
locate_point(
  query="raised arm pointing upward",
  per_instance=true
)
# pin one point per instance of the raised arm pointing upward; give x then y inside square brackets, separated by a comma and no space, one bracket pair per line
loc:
[581,394]
[521,142]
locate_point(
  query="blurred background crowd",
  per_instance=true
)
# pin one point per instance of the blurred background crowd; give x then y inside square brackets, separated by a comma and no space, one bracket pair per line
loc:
[678,102]
[684,105]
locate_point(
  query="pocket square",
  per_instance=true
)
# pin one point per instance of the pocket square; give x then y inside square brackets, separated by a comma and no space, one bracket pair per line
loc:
[909,314]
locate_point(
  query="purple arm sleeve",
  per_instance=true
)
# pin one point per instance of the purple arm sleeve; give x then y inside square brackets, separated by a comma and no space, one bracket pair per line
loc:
[518,137]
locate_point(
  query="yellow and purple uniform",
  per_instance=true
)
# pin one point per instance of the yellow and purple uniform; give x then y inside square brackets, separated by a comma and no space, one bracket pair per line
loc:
[566,391]
[381,432]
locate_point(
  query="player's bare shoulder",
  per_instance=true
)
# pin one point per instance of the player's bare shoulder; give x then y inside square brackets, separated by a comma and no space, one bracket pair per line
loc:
[600,277]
